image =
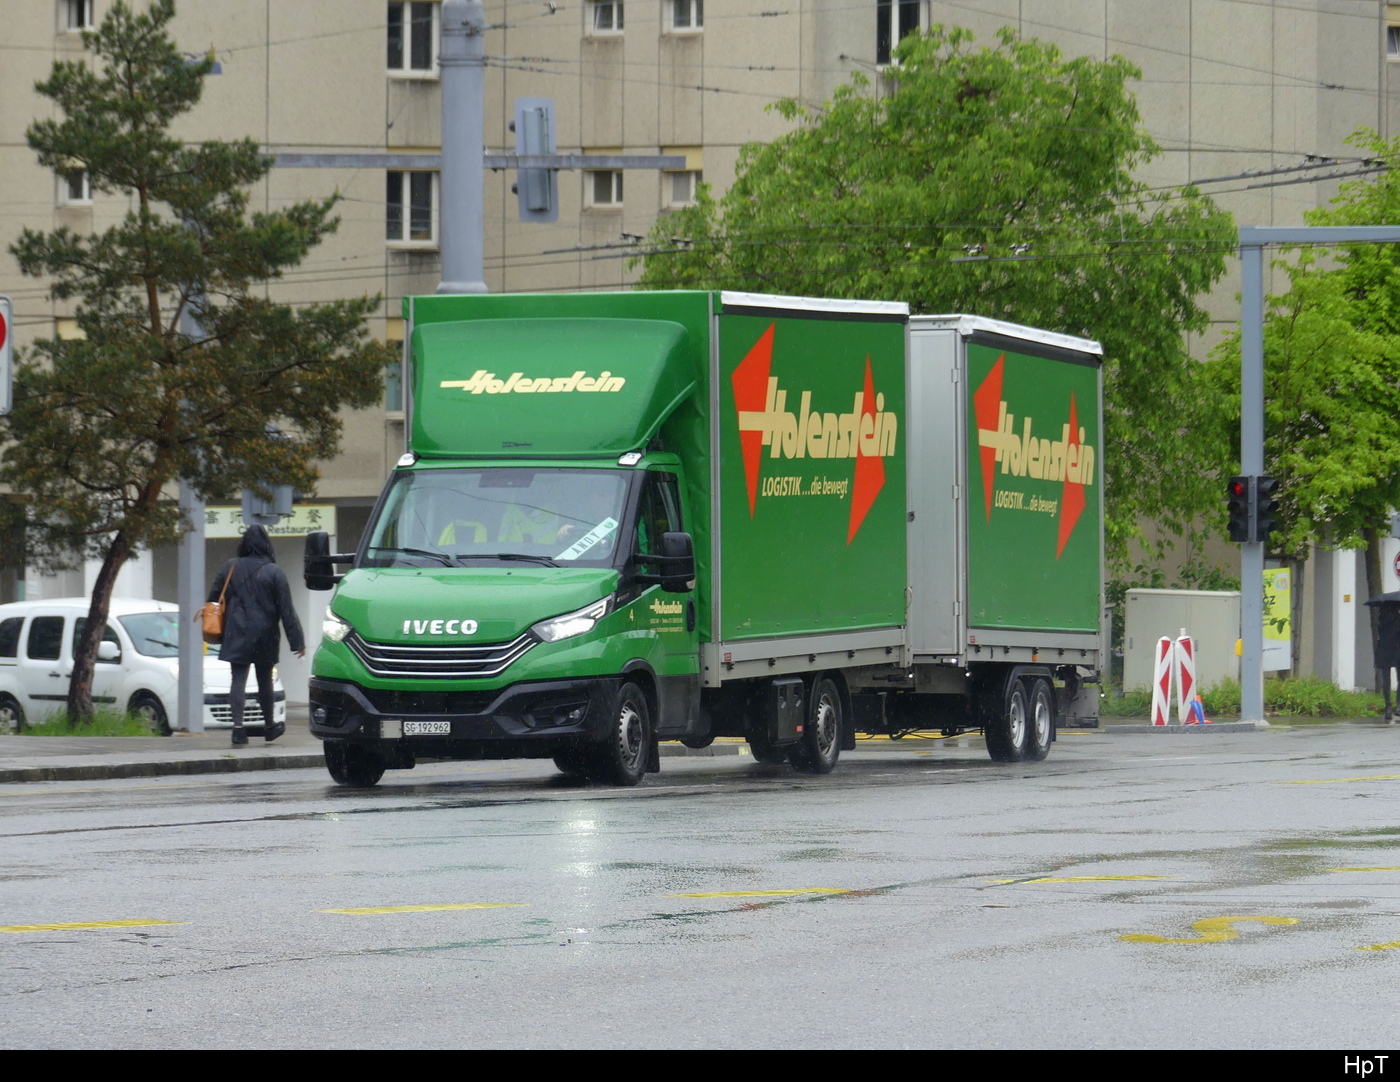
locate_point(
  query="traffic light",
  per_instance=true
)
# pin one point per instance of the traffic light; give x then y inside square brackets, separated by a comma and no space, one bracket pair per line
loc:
[1237,497]
[1265,506]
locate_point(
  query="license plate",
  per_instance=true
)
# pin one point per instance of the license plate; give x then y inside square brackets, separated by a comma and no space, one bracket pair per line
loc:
[427,728]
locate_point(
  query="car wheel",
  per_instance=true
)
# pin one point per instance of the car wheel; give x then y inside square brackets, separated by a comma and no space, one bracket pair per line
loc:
[820,745]
[148,709]
[352,765]
[573,762]
[11,715]
[621,758]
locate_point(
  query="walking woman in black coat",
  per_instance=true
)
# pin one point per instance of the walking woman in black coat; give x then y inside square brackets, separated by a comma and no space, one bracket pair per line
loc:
[258,600]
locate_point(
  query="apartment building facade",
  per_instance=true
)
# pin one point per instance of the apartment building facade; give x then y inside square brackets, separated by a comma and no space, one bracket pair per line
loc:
[1229,88]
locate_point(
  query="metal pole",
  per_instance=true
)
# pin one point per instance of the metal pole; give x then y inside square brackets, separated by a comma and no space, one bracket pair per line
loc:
[1252,464]
[462,183]
[190,694]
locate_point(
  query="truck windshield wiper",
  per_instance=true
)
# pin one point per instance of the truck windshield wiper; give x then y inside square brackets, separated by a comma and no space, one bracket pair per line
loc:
[445,559]
[546,560]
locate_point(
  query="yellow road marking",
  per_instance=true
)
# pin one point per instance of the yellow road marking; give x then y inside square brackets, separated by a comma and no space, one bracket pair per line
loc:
[1084,879]
[1392,868]
[74,925]
[369,910]
[1328,781]
[762,893]
[1211,930]
[1381,946]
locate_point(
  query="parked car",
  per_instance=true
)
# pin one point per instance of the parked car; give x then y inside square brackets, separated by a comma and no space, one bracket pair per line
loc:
[137,664]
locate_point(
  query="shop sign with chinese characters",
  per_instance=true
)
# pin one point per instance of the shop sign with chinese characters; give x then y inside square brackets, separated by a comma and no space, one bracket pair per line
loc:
[227,522]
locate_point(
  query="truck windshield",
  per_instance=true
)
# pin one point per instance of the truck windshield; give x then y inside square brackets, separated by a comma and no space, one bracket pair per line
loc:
[462,517]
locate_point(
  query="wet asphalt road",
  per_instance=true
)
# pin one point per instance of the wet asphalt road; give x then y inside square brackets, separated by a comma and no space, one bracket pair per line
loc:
[637,918]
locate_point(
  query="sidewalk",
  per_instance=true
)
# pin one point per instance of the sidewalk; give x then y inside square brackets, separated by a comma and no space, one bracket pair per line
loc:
[95,758]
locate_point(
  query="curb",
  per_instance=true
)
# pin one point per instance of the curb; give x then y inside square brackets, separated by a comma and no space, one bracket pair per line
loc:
[228,763]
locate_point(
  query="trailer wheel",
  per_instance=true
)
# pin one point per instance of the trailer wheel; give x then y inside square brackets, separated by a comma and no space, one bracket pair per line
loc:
[353,765]
[621,759]
[1041,730]
[820,745]
[1006,729]
[764,752]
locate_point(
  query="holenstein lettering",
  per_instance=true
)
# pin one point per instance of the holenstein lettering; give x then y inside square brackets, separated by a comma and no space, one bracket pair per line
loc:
[809,434]
[1023,455]
[484,382]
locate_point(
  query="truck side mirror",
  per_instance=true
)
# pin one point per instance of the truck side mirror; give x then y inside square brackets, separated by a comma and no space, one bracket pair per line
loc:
[317,568]
[678,572]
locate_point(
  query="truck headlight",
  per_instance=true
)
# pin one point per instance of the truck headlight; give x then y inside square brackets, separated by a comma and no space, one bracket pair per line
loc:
[334,628]
[572,623]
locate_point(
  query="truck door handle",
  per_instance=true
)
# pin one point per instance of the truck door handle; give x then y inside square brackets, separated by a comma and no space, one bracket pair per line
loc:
[55,673]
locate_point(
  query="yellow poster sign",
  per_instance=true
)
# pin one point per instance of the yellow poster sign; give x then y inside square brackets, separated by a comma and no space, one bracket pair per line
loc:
[1278,618]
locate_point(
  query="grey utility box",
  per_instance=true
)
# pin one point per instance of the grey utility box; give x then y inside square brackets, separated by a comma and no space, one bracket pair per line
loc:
[1210,617]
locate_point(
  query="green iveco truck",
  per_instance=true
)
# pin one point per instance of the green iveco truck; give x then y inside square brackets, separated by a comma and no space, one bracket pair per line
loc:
[632,517]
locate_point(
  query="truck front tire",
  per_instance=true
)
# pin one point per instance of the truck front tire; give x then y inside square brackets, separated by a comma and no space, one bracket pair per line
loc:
[353,765]
[621,758]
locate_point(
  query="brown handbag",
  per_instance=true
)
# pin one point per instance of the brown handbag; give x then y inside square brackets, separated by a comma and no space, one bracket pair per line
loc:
[212,615]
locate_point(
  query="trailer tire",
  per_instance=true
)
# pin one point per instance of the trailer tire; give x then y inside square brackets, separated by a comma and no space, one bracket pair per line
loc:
[1007,727]
[1040,729]
[819,747]
[352,765]
[621,758]
[764,752]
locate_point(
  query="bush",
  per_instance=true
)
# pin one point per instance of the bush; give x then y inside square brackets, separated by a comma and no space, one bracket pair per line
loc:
[1303,697]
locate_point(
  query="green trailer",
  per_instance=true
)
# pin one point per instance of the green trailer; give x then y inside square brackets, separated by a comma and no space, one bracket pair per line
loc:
[624,518]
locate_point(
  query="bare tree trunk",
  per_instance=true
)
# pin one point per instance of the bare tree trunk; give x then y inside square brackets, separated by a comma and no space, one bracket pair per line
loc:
[1373,586]
[85,649]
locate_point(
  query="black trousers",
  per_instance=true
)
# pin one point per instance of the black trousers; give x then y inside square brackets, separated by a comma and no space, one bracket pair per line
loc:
[237,691]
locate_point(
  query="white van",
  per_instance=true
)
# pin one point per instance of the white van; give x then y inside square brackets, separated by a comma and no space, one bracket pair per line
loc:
[137,666]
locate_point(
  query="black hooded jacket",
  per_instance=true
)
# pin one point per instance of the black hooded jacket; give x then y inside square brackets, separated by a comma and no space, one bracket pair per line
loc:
[258,600]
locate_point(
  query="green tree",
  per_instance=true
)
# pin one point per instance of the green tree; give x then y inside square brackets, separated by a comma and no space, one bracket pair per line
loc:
[997,181]
[1332,380]
[102,426]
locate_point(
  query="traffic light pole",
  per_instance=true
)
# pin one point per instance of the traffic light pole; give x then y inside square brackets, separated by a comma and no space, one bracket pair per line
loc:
[1252,242]
[1252,465]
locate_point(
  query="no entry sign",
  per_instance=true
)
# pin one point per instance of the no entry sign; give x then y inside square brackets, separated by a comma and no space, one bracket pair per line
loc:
[7,353]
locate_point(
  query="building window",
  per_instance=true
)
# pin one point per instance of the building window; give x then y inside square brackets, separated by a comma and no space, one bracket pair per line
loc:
[410,204]
[894,21]
[687,14]
[604,188]
[681,187]
[77,15]
[412,39]
[1392,42]
[74,189]
[605,16]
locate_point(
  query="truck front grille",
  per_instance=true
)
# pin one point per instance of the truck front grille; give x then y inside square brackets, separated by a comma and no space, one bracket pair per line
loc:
[438,662]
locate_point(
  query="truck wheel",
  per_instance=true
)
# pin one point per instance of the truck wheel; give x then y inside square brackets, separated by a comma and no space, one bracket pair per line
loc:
[573,763]
[621,759]
[819,747]
[350,764]
[1006,729]
[764,752]
[1041,730]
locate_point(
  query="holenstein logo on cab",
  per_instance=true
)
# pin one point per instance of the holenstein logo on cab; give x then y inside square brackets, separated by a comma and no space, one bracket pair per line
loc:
[778,422]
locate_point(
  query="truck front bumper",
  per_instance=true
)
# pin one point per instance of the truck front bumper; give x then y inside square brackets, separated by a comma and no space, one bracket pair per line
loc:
[535,719]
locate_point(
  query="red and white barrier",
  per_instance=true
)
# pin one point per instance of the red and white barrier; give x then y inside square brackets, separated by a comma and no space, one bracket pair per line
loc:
[1162,681]
[1184,673]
